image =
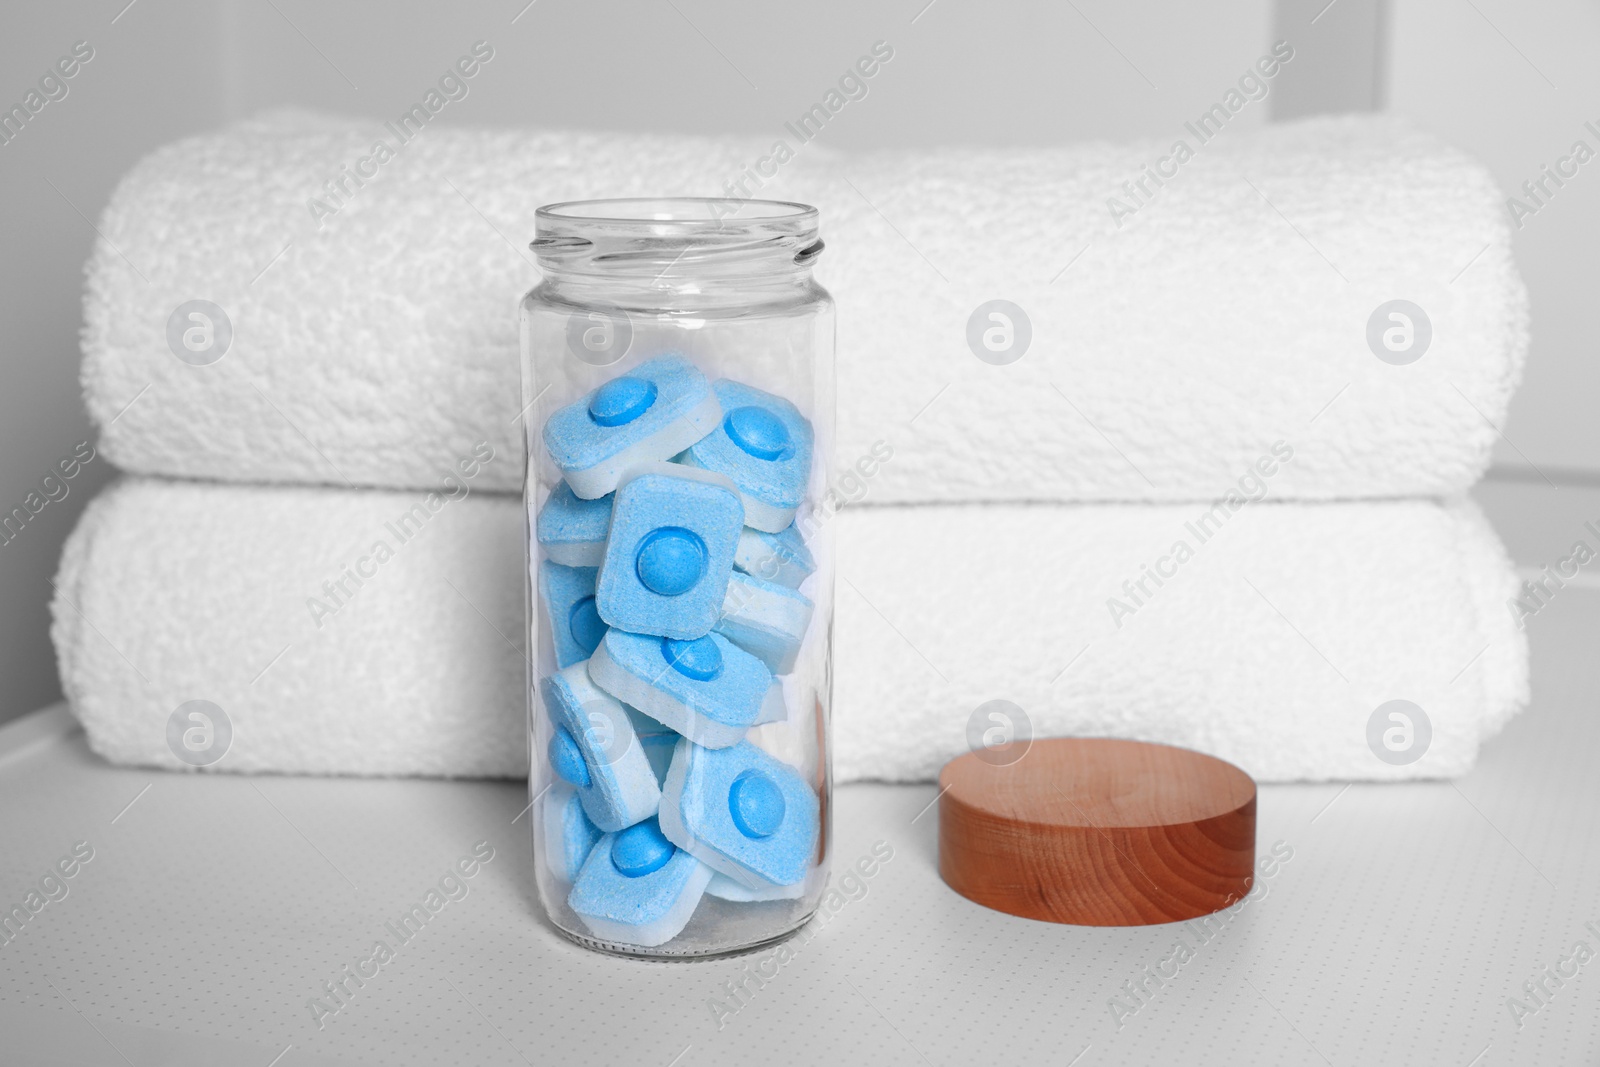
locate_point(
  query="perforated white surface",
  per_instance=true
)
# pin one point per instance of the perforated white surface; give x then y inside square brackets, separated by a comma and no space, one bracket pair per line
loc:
[215,906]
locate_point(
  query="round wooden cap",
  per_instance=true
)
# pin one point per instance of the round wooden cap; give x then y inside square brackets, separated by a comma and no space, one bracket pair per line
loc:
[1097,831]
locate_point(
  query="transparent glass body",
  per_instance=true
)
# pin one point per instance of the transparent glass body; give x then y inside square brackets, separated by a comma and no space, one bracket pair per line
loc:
[629,523]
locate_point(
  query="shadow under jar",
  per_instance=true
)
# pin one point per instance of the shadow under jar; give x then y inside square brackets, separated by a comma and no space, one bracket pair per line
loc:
[678,392]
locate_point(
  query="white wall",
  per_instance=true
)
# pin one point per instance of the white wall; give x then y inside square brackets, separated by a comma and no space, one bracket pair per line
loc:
[1340,53]
[1513,83]
[153,78]
[1015,71]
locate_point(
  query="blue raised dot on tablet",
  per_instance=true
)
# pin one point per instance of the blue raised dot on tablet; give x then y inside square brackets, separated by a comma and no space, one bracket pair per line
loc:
[670,560]
[641,849]
[758,432]
[586,624]
[699,659]
[567,758]
[756,804]
[771,467]
[621,400]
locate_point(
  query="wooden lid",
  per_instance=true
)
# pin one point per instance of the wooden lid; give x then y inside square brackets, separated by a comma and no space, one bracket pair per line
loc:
[1097,831]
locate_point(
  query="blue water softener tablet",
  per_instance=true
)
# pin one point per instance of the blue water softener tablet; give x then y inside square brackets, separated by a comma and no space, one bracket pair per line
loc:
[706,689]
[652,412]
[566,595]
[766,619]
[593,748]
[724,888]
[568,834]
[742,813]
[764,444]
[781,557]
[572,531]
[638,889]
[670,551]
[658,741]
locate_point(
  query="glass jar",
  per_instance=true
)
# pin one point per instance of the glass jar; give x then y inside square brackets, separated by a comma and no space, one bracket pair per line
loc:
[678,399]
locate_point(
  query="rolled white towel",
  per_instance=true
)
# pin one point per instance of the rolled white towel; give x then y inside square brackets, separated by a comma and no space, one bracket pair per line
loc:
[373,344]
[1270,644]
[255,599]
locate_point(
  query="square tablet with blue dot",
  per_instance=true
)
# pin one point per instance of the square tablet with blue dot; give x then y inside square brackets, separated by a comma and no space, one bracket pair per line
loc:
[593,749]
[705,689]
[636,888]
[658,741]
[781,557]
[567,597]
[763,443]
[569,836]
[670,551]
[653,412]
[571,530]
[766,619]
[724,888]
[742,813]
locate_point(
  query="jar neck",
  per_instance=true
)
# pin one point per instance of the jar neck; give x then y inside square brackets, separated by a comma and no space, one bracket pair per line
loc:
[677,293]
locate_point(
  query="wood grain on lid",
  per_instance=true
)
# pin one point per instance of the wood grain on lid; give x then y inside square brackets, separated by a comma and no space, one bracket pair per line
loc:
[1097,831]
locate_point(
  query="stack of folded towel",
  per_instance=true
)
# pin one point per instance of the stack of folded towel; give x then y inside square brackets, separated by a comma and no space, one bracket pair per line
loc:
[1199,509]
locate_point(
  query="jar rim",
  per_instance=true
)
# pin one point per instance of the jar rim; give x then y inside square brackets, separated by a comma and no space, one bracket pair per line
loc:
[676,212]
[676,238]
